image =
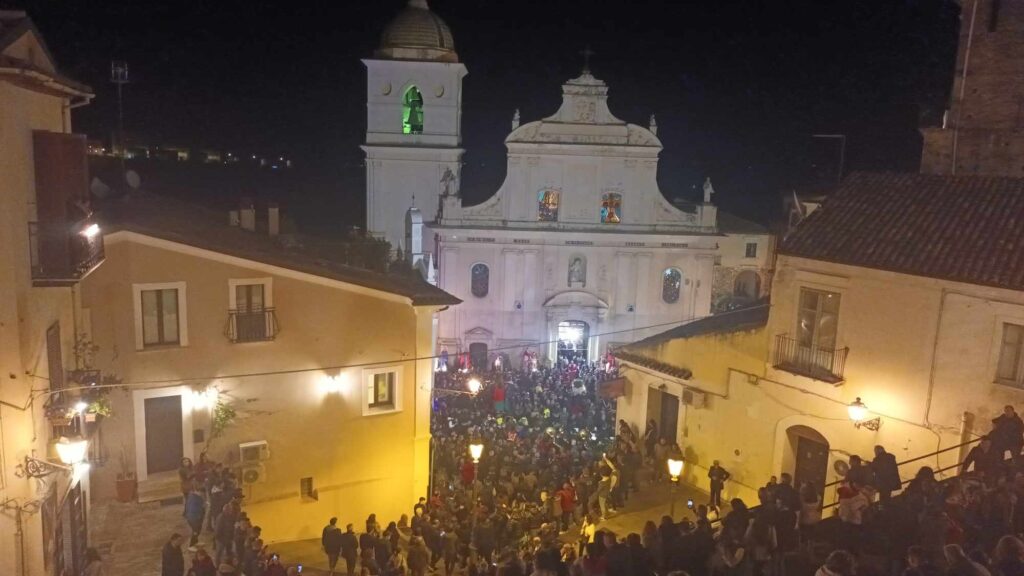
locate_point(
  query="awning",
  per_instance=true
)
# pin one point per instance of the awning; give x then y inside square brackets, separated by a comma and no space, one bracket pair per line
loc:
[612,389]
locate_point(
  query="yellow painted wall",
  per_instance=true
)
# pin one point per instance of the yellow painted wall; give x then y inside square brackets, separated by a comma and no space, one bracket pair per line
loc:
[25,315]
[922,352]
[360,464]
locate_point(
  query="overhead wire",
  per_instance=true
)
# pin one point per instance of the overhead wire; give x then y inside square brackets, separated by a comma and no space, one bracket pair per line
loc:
[285,372]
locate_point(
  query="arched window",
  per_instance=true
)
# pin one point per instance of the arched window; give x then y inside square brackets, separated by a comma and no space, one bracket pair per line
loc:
[747,285]
[611,208]
[480,280]
[412,111]
[577,272]
[547,205]
[671,281]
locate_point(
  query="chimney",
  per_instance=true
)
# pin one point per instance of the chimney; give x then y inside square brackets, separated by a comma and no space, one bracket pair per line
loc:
[248,215]
[233,218]
[273,219]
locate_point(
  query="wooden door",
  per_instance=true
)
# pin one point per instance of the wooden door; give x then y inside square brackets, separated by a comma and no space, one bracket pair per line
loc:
[669,424]
[164,448]
[811,462]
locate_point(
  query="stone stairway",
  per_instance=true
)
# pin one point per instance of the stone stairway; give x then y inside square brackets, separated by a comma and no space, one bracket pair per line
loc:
[160,488]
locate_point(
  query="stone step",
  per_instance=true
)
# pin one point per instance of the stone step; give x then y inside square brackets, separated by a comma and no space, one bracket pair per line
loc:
[160,489]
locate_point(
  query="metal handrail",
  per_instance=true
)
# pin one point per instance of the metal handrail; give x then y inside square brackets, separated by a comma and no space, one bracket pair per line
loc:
[898,464]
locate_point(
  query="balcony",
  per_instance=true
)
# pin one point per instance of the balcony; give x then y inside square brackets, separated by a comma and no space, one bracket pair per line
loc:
[825,364]
[62,253]
[251,326]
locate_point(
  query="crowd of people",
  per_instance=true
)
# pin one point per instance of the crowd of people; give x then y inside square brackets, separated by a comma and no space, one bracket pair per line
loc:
[555,463]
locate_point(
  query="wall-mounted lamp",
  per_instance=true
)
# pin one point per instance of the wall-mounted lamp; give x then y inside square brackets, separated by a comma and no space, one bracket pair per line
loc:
[70,451]
[204,398]
[858,412]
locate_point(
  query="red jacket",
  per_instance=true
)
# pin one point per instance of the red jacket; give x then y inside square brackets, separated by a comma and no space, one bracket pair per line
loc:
[468,474]
[568,499]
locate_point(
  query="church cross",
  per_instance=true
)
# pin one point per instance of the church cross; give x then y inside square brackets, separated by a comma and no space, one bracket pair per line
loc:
[586,53]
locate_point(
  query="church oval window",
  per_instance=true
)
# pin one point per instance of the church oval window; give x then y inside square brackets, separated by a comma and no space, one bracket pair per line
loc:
[671,282]
[480,280]
[412,111]
[547,205]
[611,208]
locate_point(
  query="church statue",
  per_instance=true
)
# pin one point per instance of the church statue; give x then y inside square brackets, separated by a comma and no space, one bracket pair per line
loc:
[708,190]
[577,271]
[515,119]
[653,125]
[446,180]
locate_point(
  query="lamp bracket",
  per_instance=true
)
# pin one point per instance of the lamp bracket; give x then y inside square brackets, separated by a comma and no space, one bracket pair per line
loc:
[874,424]
[35,468]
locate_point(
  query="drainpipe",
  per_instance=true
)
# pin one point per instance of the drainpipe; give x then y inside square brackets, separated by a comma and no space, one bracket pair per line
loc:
[963,86]
[19,543]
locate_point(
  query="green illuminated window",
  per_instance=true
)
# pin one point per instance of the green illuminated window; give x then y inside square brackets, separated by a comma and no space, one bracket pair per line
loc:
[412,111]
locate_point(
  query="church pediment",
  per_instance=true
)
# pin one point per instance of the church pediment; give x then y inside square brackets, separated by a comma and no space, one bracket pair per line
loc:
[480,333]
[575,298]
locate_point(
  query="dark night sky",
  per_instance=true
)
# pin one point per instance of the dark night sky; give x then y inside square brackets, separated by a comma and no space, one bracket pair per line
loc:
[737,86]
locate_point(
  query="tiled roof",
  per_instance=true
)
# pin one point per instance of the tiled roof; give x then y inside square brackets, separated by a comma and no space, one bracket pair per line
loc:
[740,320]
[200,227]
[960,228]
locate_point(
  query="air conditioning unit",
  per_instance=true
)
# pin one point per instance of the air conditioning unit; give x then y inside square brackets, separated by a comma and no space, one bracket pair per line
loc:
[253,452]
[694,398]
[254,474]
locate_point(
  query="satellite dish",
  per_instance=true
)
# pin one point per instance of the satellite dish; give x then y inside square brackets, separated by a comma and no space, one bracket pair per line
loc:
[133,179]
[841,468]
[98,188]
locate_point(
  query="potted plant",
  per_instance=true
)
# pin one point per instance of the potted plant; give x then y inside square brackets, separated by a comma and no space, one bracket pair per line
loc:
[59,414]
[127,483]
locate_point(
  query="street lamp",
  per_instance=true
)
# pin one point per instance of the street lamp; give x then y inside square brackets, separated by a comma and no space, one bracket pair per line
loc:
[476,450]
[858,412]
[675,468]
[474,385]
[72,451]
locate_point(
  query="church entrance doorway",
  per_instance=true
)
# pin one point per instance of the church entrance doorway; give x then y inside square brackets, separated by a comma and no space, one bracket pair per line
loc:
[573,339]
[478,355]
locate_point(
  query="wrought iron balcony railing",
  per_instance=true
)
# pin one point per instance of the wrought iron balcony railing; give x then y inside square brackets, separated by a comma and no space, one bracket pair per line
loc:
[826,364]
[62,253]
[251,326]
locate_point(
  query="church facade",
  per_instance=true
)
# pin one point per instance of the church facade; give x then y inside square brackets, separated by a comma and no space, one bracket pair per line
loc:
[578,250]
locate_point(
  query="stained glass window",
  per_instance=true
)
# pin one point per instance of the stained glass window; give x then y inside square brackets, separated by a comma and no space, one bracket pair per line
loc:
[671,281]
[480,280]
[611,208]
[547,206]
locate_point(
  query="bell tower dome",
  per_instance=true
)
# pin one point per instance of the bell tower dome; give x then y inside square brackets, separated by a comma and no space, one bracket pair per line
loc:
[413,121]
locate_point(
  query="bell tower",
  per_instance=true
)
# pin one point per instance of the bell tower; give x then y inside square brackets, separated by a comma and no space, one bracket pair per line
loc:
[982,131]
[413,121]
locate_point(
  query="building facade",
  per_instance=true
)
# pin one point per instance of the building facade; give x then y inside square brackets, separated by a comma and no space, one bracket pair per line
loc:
[253,348]
[47,246]
[918,314]
[577,250]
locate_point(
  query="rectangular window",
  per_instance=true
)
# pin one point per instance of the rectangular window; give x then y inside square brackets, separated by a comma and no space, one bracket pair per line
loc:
[817,319]
[751,249]
[383,393]
[160,317]
[1011,355]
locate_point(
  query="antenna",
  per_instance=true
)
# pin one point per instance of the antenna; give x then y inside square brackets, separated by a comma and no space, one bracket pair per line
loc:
[119,76]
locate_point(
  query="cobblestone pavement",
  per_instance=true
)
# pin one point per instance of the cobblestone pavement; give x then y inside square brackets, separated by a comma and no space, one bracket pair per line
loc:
[129,536]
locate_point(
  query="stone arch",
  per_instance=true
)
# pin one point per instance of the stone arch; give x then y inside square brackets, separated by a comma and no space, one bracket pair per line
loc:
[747,285]
[412,110]
[803,451]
